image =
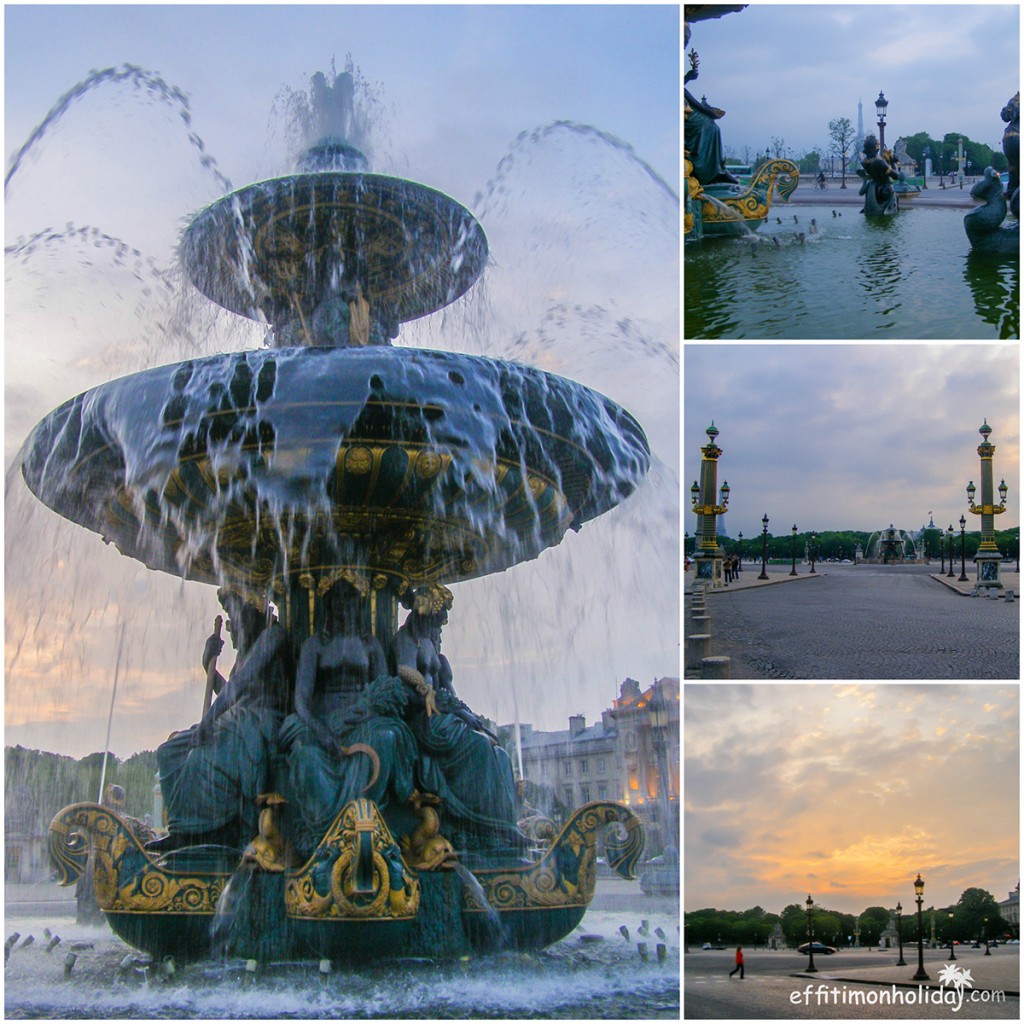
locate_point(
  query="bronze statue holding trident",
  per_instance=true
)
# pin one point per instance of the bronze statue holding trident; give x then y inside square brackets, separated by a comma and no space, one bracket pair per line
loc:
[212,773]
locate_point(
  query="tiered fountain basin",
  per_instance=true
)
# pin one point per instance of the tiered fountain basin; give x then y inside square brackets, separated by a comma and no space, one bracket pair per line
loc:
[416,464]
[324,482]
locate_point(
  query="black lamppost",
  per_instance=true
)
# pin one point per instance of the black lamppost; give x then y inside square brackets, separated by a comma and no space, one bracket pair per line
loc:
[988,952]
[921,975]
[899,933]
[952,955]
[811,969]
[792,572]
[739,567]
[949,550]
[764,548]
[881,105]
[814,544]
[963,557]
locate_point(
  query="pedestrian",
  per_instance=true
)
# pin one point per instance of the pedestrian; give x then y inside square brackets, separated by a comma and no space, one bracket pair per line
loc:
[739,963]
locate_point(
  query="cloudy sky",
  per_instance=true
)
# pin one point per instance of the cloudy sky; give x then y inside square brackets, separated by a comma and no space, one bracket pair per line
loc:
[786,70]
[557,126]
[851,437]
[846,792]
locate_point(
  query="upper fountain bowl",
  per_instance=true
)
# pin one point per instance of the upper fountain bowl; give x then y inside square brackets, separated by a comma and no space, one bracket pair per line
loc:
[278,249]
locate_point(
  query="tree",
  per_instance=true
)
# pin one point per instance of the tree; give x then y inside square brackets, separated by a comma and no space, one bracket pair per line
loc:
[873,922]
[778,147]
[841,134]
[971,910]
[810,163]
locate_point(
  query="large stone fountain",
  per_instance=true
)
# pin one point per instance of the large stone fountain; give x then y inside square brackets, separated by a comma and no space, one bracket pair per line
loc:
[337,799]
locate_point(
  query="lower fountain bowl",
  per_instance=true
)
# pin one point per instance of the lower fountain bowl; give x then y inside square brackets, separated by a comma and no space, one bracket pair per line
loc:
[420,466]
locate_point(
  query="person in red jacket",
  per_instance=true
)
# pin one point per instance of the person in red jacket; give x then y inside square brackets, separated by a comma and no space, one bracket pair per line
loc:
[739,963]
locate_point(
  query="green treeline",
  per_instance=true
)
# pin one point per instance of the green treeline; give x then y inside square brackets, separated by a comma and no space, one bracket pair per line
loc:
[754,927]
[37,784]
[839,544]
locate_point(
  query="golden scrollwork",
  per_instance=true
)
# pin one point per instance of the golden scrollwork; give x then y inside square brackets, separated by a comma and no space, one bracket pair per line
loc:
[565,875]
[125,878]
[356,873]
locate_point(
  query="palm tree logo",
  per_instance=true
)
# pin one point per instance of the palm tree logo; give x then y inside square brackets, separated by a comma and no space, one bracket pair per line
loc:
[953,975]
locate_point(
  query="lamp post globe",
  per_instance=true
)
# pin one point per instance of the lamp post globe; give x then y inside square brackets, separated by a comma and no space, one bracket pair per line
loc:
[881,106]
[922,974]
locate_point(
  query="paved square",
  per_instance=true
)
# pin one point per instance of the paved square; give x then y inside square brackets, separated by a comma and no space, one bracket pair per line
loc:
[864,622]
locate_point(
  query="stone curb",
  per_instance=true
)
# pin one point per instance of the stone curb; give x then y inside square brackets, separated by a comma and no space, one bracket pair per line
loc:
[760,583]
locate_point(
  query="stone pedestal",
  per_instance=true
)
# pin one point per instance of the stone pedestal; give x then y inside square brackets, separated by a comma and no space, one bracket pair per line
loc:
[698,647]
[988,569]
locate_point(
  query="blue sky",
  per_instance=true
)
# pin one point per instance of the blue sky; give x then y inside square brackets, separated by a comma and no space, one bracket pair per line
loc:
[582,222]
[786,70]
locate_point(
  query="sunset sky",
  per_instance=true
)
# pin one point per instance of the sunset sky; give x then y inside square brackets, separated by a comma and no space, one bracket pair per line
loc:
[557,126]
[847,792]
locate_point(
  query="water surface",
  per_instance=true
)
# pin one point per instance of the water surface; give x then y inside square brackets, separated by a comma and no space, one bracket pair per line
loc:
[906,277]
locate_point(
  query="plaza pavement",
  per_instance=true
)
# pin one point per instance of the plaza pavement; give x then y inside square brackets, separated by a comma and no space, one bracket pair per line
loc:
[806,194]
[862,622]
[771,990]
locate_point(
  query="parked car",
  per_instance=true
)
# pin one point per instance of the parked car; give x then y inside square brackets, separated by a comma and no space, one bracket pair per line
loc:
[707,945]
[819,947]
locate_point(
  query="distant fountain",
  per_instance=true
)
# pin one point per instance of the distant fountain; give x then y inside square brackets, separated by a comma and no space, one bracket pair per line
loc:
[891,547]
[324,484]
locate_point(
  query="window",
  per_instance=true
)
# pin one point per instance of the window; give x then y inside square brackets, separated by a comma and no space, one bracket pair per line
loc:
[602,791]
[567,767]
[585,794]
[600,765]
[584,767]
[567,796]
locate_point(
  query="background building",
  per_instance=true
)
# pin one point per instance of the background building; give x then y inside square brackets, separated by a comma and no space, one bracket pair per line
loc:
[631,756]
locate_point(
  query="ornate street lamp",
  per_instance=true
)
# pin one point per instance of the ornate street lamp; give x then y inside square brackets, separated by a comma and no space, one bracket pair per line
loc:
[658,719]
[764,548]
[921,975]
[988,557]
[952,955]
[963,557]
[792,572]
[949,549]
[942,555]
[881,106]
[899,933]
[811,969]
[739,567]
[702,498]
[814,551]
[988,952]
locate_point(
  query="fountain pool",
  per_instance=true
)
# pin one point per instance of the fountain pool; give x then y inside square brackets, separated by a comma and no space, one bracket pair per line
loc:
[601,976]
[910,276]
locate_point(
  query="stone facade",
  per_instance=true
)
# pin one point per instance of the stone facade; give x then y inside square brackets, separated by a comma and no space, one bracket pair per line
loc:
[622,758]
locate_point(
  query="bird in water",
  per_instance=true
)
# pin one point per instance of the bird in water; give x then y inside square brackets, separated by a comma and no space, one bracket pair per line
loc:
[778,244]
[795,219]
[833,213]
[778,220]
